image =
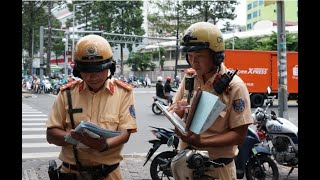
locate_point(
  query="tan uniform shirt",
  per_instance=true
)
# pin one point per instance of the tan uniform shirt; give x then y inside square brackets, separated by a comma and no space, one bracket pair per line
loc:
[111,108]
[234,115]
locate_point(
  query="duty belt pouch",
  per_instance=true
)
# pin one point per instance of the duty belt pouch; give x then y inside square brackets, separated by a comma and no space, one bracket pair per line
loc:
[55,173]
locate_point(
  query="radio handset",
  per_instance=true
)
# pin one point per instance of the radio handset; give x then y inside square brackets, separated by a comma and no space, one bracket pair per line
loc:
[224,81]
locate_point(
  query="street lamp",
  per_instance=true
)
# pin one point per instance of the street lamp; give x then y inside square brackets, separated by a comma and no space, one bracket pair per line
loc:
[73,24]
[65,40]
[74,14]
[159,57]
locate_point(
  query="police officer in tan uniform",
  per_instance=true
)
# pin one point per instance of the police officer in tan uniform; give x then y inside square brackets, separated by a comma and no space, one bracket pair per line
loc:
[98,99]
[204,45]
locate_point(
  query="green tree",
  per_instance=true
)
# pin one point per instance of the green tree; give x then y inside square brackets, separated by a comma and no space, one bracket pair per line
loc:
[122,17]
[162,14]
[266,43]
[34,15]
[209,10]
[84,14]
[162,17]
[227,27]
[140,61]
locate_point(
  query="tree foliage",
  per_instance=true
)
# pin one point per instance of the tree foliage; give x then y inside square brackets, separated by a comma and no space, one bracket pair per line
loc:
[162,15]
[33,16]
[266,43]
[121,17]
[140,61]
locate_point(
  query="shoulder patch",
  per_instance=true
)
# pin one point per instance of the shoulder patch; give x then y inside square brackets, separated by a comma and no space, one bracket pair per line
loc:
[238,105]
[70,84]
[132,111]
[124,85]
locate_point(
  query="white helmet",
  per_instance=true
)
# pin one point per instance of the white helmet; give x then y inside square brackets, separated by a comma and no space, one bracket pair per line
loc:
[159,78]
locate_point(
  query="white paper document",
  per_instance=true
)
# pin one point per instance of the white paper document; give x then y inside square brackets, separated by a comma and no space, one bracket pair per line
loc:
[93,128]
[208,109]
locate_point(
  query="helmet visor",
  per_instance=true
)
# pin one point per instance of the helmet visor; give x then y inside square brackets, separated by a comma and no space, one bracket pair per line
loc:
[194,46]
[94,66]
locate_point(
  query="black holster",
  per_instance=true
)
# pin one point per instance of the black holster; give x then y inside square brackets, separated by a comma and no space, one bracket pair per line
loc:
[55,173]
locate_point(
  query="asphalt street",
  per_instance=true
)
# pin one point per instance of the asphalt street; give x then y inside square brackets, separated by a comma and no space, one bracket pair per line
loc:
[36,151]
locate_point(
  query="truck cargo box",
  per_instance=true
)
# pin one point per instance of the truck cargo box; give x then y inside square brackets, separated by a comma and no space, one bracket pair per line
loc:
[259,69]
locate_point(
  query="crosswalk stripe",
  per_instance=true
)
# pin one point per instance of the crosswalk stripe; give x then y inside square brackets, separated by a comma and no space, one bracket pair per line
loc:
[40,155]
[34,119]
[37,115]
[33,124]
[34,129]
[34,136]
[32,145]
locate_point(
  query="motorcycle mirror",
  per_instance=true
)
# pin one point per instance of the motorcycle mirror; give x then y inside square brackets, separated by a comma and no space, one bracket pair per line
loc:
[170,141]
[268,89]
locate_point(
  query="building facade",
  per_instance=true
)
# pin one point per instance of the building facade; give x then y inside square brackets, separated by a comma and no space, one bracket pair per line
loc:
[267,10]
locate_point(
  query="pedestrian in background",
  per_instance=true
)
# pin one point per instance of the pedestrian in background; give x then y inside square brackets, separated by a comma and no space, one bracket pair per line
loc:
[168,90]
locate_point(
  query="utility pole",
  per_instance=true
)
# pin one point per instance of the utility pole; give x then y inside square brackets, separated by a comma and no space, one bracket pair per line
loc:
[74,14]
[282,62]
[177,42]
[65,40]
[41,52]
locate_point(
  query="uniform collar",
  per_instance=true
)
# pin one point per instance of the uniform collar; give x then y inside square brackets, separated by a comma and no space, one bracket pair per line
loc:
[108,84]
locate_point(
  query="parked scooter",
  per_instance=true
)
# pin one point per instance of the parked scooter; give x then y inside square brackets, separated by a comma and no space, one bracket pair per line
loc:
[281,132]
[160,165]
[253,159]
[155,109]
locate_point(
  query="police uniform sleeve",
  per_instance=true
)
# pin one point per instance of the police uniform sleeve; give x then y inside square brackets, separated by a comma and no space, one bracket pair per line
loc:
[58,113]
[240,111]
[127,112]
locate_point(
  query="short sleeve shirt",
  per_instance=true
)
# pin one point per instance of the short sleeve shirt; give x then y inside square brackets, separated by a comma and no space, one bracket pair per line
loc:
[111,108]
[236,113]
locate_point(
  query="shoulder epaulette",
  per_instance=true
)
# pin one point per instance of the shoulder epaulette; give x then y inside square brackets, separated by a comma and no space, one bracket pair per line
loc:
[124,85]
[189,71]
[70,84]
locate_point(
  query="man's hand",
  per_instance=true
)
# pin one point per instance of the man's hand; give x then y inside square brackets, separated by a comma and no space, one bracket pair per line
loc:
[190,138]
[180,108]
[98,144]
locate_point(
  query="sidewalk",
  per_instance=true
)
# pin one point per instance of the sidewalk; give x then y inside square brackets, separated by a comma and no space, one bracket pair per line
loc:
[132,169]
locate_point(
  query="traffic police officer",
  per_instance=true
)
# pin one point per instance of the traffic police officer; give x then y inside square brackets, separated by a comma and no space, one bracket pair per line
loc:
[96,98]
[204,45]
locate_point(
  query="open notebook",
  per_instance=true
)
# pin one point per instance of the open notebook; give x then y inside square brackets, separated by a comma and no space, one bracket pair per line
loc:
[204,110]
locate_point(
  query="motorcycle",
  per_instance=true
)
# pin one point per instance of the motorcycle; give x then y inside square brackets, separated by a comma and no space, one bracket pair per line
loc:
[155,109]
[282,134]
[160,165]
[253,159]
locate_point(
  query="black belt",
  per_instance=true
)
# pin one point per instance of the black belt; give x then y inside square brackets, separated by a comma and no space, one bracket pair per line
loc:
[223,161]
[109,168]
